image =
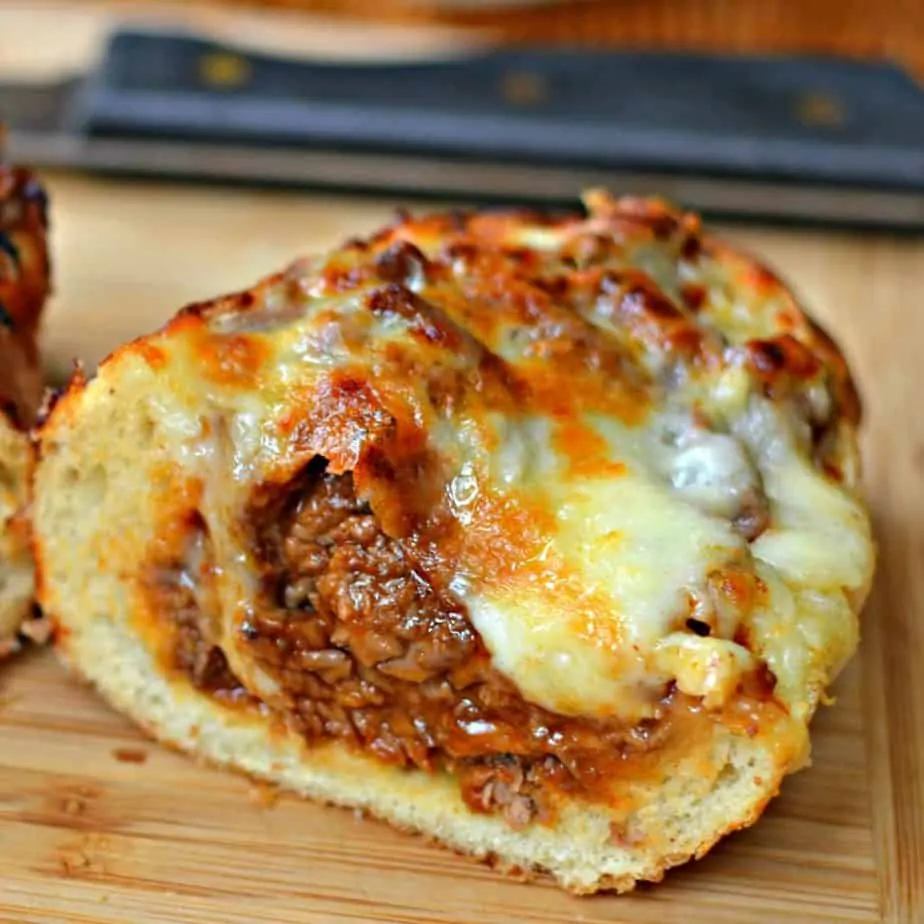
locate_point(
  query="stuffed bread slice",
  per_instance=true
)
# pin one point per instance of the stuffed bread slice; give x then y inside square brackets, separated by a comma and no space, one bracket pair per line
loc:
[24,285]
[536,535]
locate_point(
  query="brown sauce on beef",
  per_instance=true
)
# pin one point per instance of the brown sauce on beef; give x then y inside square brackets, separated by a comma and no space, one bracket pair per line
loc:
[369,651]
[176,585]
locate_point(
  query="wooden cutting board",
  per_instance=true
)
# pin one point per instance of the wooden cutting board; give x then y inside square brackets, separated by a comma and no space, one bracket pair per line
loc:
[99,825]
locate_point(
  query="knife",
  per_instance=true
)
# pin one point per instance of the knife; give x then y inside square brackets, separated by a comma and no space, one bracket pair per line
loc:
[814,140]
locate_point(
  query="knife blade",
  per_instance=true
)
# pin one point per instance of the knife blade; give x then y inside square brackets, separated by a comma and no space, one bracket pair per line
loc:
[797,139]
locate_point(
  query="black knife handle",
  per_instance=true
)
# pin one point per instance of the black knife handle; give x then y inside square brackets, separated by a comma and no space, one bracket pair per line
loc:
[824,119]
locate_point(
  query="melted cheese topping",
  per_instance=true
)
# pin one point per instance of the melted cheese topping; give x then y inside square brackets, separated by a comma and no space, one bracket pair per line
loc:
[633,492]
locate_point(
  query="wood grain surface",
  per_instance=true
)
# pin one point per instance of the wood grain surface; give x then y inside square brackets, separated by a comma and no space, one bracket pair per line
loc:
[88,836]
[99,825]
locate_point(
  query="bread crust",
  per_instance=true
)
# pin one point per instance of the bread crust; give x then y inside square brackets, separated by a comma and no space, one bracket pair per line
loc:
[102,504]
[24,286]
[576,854]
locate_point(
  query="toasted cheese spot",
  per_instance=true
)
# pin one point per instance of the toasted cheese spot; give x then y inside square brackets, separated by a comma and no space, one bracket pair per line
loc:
[782,355]
[152,354]
[762,279]
[509,538]
[232,360]
[587,452]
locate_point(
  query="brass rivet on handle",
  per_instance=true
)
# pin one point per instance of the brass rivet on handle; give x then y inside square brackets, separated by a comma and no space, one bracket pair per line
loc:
[524,88]
[820,109]
[224,70]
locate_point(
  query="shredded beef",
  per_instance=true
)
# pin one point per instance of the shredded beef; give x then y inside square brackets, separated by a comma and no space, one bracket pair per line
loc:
[173,587]
[369,651]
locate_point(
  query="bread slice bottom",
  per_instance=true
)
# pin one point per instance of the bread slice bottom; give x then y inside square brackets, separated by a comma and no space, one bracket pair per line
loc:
[684,818]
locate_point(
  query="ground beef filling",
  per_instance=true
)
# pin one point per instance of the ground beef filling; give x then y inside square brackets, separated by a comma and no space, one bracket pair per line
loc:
[193,651]
[178,588]
[368,651]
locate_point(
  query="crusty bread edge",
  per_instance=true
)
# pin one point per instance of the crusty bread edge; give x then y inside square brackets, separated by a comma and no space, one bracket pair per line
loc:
[110,657]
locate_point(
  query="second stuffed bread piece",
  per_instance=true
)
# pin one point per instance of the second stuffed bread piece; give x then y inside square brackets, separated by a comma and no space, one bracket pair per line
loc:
[538,536]
[24,286]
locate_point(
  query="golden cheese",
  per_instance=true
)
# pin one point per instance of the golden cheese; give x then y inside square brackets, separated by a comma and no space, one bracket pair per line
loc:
[635,435]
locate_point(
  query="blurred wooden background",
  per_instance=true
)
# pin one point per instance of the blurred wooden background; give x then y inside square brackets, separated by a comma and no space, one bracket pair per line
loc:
[891,29]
